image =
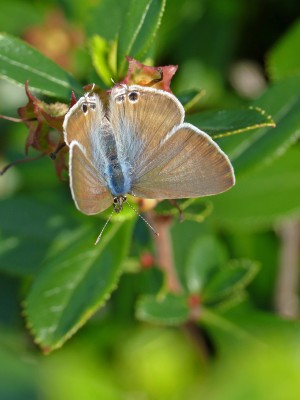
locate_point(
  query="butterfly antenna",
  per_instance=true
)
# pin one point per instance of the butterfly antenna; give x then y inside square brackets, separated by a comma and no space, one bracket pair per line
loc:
[146,222]
[105,225]
[93,87]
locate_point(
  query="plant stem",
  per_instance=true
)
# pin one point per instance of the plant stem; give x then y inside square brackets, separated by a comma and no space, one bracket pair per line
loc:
[286,293]
[164,258]
[164,253]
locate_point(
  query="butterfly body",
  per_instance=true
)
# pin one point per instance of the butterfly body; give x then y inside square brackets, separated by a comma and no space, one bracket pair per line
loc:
[115,171]
[139,144]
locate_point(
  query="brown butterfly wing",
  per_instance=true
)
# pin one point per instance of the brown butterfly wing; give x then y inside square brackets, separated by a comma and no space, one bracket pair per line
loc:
[88,188]
[187,164]
[140,118]
[83,123]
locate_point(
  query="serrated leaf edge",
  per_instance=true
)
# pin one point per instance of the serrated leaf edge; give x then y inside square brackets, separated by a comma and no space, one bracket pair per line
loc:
[83,319]
[269,123]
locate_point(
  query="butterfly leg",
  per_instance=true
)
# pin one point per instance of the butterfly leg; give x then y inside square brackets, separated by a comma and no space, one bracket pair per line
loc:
[57,150]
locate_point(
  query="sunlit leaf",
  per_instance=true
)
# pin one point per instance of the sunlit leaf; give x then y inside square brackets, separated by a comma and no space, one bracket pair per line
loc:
[100,48]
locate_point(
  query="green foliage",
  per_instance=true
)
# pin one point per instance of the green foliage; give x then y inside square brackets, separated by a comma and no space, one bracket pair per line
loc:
[225,254]
[166,310]
[282,101]
[70,284]
[265,196]
[284,59]
[20,63]
[138,28]
[229,122]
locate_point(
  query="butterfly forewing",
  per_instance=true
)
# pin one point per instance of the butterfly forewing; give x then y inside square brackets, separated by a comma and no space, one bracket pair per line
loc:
[88,188]
[186,164]
[141,117]
[83,123]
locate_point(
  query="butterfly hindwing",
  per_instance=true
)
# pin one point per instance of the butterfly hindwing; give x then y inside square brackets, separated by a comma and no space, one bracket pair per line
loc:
[88,188]
[187,164]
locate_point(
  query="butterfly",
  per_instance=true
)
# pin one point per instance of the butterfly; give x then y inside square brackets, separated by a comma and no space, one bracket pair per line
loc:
[139,144]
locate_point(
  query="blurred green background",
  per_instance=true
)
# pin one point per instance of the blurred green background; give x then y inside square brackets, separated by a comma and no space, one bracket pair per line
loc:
[234,332]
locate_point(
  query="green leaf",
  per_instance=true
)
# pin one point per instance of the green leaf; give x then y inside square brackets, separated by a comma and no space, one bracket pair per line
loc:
[234,300]
[216,321]
[245,322]
[230,122]
[138,29]
[284,58]
[27,228]
[262,198]
[168,310]
[232,277]
[263,247]
[100,49]
[149,281]
[20,62]
[282,101]
[75,280]
[19,378]
[205,256]
[191,98]
[105,18]
[16,16]
[189,209]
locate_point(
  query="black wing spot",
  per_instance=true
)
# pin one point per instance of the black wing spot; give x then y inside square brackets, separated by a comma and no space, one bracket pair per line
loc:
[133,97]
[120,99]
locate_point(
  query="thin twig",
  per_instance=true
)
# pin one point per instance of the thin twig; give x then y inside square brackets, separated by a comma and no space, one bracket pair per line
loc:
[21,161]
[164,254]
[13,119]
[286,293]
[164,258]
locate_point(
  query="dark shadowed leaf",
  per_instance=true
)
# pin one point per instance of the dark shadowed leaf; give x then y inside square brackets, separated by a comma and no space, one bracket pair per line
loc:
[27,229]
[284,58]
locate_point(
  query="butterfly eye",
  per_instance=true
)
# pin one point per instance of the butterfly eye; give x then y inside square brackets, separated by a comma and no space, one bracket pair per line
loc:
[120,99]
[93,106]
[84,108]
[133,97]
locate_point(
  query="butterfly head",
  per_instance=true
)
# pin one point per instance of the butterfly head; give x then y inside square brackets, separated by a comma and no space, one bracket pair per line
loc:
[118,203]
